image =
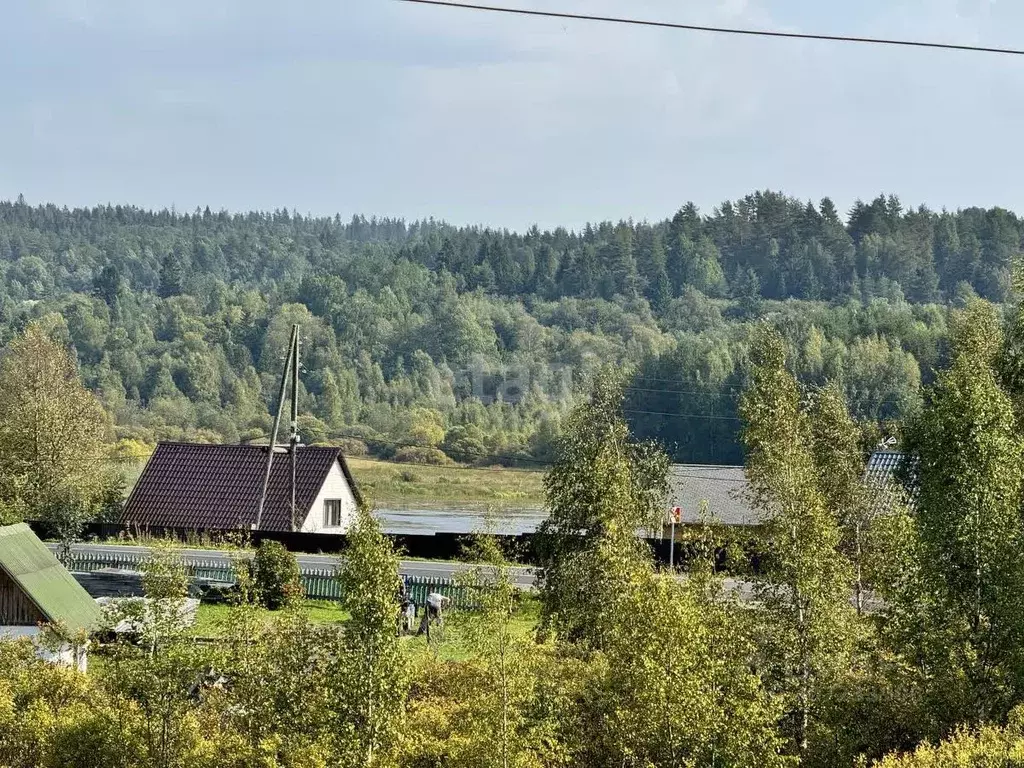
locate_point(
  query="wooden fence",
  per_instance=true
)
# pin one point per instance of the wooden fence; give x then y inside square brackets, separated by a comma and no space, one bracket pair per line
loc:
[319,583]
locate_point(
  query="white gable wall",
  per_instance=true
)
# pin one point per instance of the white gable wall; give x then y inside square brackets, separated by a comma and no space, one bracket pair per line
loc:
[64,655]
[334,487]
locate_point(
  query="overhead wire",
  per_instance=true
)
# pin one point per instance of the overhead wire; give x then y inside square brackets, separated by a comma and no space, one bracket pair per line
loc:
[719,30]
[497,458]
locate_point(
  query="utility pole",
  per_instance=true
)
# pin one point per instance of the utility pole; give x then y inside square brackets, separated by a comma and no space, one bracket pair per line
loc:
[290,366]
[294,438]
[673,518]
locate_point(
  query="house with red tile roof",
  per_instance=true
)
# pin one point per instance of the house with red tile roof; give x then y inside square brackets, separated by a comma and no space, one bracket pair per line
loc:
[197,487]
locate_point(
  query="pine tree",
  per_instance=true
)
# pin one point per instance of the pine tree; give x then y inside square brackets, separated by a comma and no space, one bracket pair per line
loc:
[173,273]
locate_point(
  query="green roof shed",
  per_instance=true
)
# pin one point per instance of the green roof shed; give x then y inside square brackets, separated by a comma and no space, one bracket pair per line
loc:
[32,578]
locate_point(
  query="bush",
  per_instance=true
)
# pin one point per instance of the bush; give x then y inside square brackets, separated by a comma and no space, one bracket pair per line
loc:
[408,476]
[351,446]
[419,455]
[276,581]
[988,746]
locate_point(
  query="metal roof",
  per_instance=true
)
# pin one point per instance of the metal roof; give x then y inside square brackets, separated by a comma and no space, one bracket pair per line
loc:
[193,486]
[882,481]
[881,468]
[722,487]
[725,488]
[47,583]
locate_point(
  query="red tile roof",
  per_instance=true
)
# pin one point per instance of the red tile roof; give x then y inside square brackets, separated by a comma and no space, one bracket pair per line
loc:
[217,487]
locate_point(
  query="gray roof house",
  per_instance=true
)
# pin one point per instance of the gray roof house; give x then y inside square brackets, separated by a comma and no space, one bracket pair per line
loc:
[724,488]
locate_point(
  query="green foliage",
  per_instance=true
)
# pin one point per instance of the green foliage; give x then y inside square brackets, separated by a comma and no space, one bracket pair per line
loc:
[478,327]
[602,488]
[370,696]
[989,746]
[969,469]
[276,580]
[417,455]
[164,573]
[456,342]
[804,591]
[677,685]
[498,687]
[54,438]
[840,466]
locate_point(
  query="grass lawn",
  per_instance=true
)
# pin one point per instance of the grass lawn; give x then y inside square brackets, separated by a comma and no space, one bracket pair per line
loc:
[213,619]
[387,482]
[452,644]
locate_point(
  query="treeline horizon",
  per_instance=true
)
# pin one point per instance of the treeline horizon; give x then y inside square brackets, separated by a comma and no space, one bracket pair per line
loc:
[413,330]
[765,244]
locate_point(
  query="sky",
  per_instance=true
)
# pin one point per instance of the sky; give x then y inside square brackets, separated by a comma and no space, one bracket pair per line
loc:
[390,109]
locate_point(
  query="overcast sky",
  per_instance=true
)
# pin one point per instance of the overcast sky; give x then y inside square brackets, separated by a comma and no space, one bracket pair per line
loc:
[380,107]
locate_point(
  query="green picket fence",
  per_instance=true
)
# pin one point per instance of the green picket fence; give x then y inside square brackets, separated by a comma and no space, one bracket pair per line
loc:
[319,583]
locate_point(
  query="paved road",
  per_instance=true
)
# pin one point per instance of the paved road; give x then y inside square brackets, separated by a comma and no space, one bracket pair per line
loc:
[521,576]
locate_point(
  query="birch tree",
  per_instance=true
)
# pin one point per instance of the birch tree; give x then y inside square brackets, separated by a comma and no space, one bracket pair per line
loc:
[804,589]
[679,688]
[53,437]
[373,679]
[969,454]
[839,462]
[498,724]
[603,487]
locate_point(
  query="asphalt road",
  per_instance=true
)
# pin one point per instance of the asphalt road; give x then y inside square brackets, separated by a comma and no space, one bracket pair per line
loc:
[521,576]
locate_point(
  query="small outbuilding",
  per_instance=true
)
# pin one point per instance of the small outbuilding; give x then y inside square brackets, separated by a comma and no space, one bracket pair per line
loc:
[36,591]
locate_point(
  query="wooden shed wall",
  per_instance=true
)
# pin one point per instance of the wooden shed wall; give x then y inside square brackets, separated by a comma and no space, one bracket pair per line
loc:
[15,608]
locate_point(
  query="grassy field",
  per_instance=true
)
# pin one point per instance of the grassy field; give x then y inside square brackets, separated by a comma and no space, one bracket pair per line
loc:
[386,482]
[213,619]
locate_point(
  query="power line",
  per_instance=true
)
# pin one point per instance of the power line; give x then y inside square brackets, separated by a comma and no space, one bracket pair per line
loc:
[697,392]
[719,30]
[684,415]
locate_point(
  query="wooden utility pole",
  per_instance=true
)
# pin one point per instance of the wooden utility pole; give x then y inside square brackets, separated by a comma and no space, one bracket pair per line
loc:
[294,437]
[291,366]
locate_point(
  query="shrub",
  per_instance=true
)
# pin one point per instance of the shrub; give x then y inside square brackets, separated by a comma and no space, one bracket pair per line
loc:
[276,581]
[988,746]
[419,455]
[351,446]
[408,476]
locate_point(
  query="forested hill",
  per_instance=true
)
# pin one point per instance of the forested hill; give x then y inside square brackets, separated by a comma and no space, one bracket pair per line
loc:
[469,339]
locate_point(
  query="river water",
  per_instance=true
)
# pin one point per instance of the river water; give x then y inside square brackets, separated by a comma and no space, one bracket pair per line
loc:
[425,520]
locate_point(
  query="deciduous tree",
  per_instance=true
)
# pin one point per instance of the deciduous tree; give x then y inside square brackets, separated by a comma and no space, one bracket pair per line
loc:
[804,589]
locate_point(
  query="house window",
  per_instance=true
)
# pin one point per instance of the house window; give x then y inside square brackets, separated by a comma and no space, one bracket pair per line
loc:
[332,513]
